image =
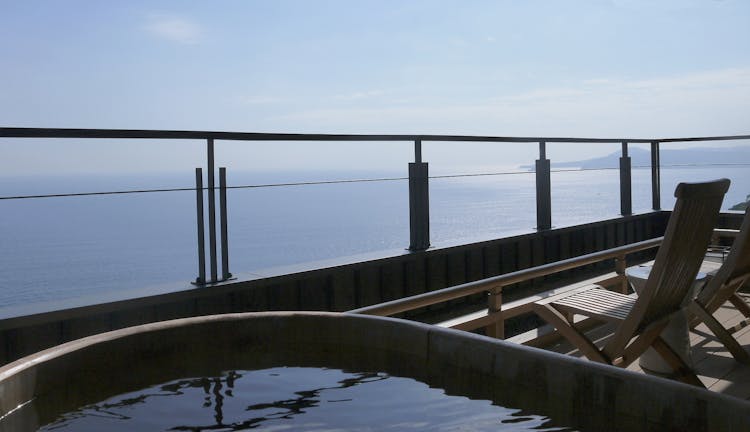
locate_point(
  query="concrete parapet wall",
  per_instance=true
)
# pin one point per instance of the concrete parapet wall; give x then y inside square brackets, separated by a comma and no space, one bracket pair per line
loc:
[574,392]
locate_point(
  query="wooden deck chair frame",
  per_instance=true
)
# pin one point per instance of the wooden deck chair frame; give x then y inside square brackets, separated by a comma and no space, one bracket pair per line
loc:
[722,287]
[640,321]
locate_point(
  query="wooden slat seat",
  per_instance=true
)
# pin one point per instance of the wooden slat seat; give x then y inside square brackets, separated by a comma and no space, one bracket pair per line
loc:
[599,303]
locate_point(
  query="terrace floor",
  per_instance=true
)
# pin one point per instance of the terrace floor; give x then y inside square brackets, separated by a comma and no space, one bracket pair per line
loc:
[714,365]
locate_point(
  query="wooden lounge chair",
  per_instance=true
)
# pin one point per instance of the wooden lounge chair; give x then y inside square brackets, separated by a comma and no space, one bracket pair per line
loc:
[641,320]
[722,287]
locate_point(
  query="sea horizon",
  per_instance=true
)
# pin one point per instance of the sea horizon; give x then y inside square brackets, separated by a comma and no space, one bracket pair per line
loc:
[61,249]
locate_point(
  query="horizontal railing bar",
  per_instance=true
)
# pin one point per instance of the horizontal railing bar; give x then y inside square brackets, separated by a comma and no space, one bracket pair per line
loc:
[458,291]
[372,180]
[710,138]
[14,132]
[77,194]
[258,186]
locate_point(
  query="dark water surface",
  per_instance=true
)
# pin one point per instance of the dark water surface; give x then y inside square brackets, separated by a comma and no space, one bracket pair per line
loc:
[297,399]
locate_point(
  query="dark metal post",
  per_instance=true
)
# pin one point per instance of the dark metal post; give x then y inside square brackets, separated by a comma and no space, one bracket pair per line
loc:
[201,240]
[212,211]
[655,176]
[223,212]
[626,196]
[543,190]
[419,201]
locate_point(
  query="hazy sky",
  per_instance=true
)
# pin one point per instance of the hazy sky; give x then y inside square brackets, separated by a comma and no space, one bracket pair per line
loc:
[510,68]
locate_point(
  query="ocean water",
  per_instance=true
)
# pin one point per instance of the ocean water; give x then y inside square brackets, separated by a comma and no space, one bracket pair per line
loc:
[81,249]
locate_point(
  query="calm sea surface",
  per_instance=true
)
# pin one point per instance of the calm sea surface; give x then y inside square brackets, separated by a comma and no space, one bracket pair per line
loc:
[58,250]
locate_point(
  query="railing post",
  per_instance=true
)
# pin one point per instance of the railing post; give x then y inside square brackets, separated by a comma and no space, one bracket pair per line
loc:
[626,200]
[495,308]
[223,223]
[225,275]
[655,176]
[543,190]
[620,266]
[212,211]
[201,279]
[419,201]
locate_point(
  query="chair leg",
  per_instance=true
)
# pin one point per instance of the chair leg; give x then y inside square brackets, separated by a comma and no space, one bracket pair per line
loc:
[570,317]
[740,304]
[639,345]
[683,372]
[572,334]
[737,351]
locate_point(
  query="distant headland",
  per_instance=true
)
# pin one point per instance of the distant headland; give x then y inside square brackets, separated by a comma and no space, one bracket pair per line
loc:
[742,205]
[681,157]
[684,158]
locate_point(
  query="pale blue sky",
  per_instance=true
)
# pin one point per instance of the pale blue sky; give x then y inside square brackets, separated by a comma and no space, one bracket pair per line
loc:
[528,68]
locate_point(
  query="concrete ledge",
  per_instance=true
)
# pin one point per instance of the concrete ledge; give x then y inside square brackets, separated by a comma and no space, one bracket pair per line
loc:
[574,392]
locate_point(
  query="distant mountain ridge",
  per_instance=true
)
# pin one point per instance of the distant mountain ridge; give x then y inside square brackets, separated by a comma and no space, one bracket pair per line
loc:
[698,156]
[641,157]
[742,205]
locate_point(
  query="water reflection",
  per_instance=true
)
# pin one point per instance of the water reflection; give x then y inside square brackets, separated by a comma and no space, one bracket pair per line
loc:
[214,397]
[300,398]
[289,407]
[117,409]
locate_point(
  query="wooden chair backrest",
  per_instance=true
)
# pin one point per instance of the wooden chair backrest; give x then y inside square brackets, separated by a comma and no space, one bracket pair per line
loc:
[733,272]
[679,258]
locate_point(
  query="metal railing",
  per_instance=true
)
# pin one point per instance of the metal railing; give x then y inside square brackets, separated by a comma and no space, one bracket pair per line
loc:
[419,215]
